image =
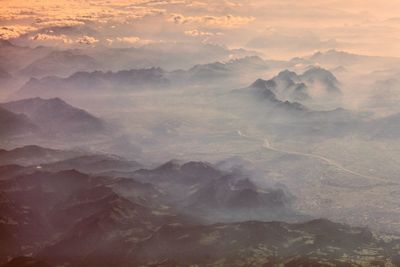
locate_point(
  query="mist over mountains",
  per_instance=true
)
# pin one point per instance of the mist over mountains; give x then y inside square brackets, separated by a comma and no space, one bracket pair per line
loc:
[15,123]
[49,117]
[130,151]
[142,219]
[61,63]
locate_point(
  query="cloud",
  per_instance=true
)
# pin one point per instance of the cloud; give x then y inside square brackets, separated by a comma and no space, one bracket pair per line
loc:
[128,41]
[44,14]
[197,33]
[62,39]
[226,21]
[57,23]
[166,2]
[43,37]
[363,26]
[87,40]
[14,31]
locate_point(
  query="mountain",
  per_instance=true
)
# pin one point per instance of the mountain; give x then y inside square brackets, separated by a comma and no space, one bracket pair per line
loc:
[336,58]
[94,164]
[14,57]
[55,116]
[74,212]
[249,63]
[290,87]
[166,55]
[313,85]
[83,220]
[34,155]
[264,91]
[60,63]
[211,71]
[209,194]
[296,119]
[230,198]
[220,71]
[15,124]
[317,76]
[87,83]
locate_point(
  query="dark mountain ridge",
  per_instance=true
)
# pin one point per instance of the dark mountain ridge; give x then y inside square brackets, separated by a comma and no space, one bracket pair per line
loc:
[72,218]
[56,116]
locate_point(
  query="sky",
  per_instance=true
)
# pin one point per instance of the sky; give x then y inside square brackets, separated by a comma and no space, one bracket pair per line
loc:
[277,28]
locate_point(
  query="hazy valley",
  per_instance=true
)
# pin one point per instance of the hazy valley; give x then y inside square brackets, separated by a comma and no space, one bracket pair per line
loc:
[195,153]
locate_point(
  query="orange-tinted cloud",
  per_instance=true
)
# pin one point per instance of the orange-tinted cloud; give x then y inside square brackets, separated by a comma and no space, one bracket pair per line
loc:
[364,26]
[197,33]
[227,21]
[129,41]
[87,40]
[14,31]
[43,37]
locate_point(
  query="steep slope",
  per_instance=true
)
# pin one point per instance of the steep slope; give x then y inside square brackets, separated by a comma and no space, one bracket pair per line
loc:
[314,85]
[81,220]
[15,124]
[86,83]
[56,116]
[292,119]
[94,164]
[167,55]
[14,57]
[232,198]
[33,155]
[333,59]
[264,91]
[225,71]
[125,81]
[76,212]
[212,195]
[317,76]
[61,63]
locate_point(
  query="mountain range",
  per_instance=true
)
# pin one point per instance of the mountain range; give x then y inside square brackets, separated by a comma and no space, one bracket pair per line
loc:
[125,81]
[50,116]
[34,155]
[14,57]
[15,124]
[157,217]
[47,61]
[288,86]
[61,63]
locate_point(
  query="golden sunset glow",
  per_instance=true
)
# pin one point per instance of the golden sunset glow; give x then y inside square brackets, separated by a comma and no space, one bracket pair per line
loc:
[277,28]
[199,133]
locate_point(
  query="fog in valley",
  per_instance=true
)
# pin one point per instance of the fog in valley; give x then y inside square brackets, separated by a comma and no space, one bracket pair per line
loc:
[201,142]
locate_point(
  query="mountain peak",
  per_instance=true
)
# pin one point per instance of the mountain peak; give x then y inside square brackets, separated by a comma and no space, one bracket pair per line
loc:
[288,76]
[55,115]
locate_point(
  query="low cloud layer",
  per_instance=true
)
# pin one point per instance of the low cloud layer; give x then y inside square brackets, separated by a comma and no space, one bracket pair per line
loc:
[368,27]
[227,21]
